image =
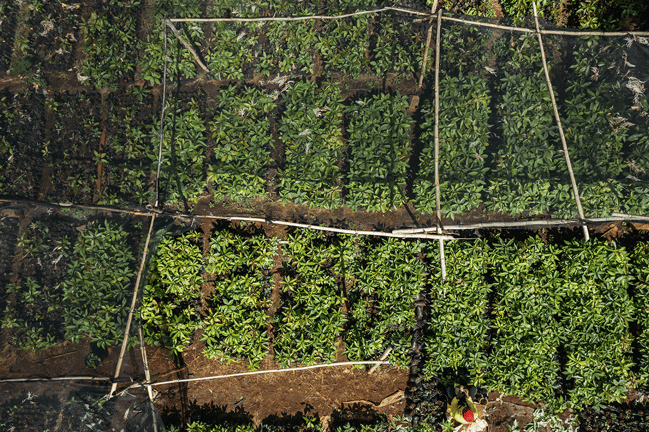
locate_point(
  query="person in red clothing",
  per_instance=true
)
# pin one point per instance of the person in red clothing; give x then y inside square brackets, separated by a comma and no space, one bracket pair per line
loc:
[462,408]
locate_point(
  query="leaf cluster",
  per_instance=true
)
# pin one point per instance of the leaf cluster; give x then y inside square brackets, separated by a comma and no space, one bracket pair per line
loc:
[310,319]
[344,44]
[397,48]
[463,141]
[180,61]
[170,307]
[310,131]
[241,130]
[378,148]
[97,291]
[607,143]
[291,43]
[524,359]
[383,283]
[183,146]
[458,323]
[236,324]
[111,43]
[595,315]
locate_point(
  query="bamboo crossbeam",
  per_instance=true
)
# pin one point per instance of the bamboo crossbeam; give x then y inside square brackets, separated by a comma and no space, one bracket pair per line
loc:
[575,189]
[130,314]
[252,219]
[446,18]
[236,375]
[631,218]
[551,223]
[87,207]
[329,229]
[300,18]
[549,32]
[483,24]
[593,33]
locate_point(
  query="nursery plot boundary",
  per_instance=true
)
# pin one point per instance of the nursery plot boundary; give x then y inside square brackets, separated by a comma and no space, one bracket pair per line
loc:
[440,18]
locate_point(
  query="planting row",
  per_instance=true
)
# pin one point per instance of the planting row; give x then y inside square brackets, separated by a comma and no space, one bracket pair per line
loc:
[70,281]
[359,152]
[550,323]
[107,43]
[333,289]
[559,329]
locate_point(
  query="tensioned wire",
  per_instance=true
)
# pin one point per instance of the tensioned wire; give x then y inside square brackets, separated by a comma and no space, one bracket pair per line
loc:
[413,12]
[530,224]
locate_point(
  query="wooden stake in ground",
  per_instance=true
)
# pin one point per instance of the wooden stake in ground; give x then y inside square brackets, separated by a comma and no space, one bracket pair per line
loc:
[558,119]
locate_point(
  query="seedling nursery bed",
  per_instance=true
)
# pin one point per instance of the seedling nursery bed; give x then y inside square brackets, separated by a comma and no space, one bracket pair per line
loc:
[125,198]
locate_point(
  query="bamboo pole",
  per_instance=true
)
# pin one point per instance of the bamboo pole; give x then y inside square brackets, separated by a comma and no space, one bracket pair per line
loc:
[87,207]
[575,190]
[236,375]
[328,229]
[438,212]
[438,208]
[147,375]
[628,217]
[130,314]
[483,24]
[447,18]
[442,259]
[423,65]
[189,47]
[385,355]
[250,219]
[70,378]
[162,116]
[301,18]
[593,33]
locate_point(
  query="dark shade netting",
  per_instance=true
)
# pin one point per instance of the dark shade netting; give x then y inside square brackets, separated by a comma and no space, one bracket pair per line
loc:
[500,150]
[74,406]
[606,120]
[500,154]
[68,278]
[328,114]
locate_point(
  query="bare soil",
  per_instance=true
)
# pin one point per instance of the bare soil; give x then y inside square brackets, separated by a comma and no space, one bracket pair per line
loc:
[262,398]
